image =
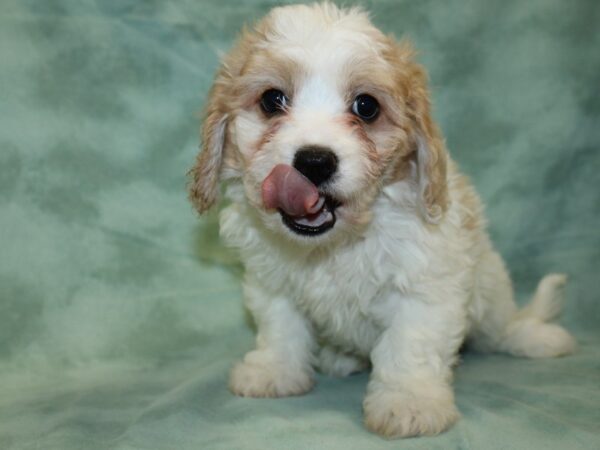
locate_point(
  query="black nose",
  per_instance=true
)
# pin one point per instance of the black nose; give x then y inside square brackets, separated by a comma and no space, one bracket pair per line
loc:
[316,163]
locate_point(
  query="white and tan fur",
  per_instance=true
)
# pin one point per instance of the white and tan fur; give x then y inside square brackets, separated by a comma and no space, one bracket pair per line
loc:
[407,273]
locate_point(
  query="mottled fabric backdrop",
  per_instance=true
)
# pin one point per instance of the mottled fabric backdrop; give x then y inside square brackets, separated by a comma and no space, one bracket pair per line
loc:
[120,311]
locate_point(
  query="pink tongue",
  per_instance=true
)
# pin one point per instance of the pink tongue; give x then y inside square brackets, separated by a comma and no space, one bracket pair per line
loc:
[288,189]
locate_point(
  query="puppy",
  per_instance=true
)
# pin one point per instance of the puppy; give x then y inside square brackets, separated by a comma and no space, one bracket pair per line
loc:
[363,244]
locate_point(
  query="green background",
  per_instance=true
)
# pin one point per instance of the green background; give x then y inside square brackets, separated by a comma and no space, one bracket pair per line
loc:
[120,311]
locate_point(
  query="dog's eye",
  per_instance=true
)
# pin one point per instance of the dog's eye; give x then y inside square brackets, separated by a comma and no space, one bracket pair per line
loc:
[365,107]
[273,102]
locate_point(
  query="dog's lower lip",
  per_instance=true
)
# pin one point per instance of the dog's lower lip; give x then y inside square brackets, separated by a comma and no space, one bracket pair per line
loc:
[294,223]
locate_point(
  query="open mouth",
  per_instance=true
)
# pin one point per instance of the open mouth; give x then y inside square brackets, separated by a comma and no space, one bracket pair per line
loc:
[316,223]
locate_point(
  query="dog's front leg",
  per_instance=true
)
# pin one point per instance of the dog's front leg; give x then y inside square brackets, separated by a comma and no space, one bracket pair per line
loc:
[281,364]
[409,392]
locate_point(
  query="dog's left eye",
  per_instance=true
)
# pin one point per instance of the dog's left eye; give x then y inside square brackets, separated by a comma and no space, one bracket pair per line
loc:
[273,102]
[365,107]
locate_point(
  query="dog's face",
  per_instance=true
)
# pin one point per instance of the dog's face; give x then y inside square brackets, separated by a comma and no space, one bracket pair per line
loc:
[315,111]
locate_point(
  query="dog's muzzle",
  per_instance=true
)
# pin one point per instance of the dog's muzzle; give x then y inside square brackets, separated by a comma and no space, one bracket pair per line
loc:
[303,208]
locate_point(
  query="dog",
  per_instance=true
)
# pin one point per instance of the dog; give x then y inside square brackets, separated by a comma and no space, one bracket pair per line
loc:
[363,244]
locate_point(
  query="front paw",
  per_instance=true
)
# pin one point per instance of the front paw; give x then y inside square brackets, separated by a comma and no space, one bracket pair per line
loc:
[260,376]
[423,408]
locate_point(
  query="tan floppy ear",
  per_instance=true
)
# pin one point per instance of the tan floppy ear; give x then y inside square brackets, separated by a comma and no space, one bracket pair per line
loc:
[204,186]
[431,154]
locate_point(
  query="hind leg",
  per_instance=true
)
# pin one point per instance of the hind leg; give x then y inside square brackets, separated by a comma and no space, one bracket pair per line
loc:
[497,323]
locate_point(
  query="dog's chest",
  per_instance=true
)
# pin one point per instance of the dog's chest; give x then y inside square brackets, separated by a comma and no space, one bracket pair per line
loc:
[343,293]
[339,294]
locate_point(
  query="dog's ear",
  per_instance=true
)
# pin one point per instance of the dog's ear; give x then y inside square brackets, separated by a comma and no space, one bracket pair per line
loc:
[431,154]
[204,186]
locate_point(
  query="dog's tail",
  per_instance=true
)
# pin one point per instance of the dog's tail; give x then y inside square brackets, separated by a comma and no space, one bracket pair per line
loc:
[529,334]
[548,298]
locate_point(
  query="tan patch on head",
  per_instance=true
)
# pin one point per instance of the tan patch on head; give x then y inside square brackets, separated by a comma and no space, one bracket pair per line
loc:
[423,134]
[236,86]
[265,69]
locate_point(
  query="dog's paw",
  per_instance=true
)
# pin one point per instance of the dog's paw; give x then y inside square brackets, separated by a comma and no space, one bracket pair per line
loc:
[406,412]
[261,377]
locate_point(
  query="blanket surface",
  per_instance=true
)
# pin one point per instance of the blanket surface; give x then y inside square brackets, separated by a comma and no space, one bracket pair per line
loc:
[120,310]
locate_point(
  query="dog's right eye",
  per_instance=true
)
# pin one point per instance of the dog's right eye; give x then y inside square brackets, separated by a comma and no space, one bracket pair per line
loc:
[273,102]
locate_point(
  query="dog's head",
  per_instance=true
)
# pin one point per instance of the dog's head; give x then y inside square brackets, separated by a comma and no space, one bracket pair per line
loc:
[315,111]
